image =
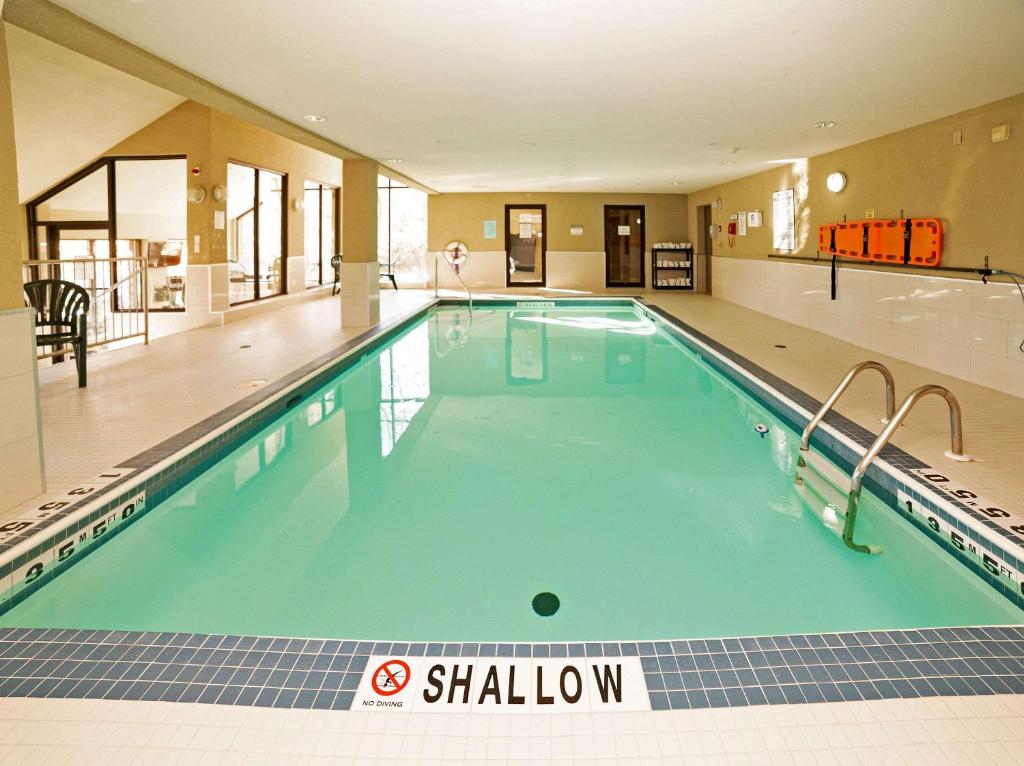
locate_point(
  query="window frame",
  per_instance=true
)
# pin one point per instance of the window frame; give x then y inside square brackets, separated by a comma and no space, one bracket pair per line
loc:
[335,214]
[54,227]
[255,210]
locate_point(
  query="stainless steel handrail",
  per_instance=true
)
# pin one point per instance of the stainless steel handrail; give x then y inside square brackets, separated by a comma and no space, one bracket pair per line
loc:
[458,276]
[956,452]
[890,398]
[109,325]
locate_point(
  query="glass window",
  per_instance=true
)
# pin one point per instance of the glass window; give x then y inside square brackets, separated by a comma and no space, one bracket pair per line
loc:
[84,200]
[319,232]
[402,230]
[270,258]
[256,267]
[241,233]
[150,208]
[328,231]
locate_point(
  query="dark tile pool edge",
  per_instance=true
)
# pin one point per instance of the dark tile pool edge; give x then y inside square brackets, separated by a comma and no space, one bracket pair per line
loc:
[219,669]
[131,494]
[992,552]
[124,494]
[300,673]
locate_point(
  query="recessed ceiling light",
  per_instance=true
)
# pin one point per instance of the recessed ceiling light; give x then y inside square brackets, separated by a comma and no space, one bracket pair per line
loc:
[825,124]
[393,161]
[529,145]
[728,162]
[675,183]
[315,118]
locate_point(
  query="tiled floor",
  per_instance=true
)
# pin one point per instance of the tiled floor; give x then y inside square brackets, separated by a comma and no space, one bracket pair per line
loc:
[142,395]
[962,730]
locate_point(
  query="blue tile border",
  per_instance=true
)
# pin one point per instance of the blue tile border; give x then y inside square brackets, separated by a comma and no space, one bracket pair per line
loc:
[265,671]
[106,516]
[128,502]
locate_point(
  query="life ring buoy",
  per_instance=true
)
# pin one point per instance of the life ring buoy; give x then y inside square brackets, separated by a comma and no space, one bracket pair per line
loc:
[456,253]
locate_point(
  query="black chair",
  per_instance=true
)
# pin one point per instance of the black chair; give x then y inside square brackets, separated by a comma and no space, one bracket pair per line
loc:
[61,309]
[385,271]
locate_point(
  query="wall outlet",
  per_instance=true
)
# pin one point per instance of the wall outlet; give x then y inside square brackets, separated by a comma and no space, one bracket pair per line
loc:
[958,137]
[869,213]
[1000,132]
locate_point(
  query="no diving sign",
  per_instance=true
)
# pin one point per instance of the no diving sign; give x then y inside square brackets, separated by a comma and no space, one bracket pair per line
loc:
[390,678]
[490,684]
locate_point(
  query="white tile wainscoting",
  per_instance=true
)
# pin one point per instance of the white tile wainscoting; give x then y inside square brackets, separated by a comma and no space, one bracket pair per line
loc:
[360,294]
[566,270]
[577,270]
[483,269]
[21,439]
[958,326]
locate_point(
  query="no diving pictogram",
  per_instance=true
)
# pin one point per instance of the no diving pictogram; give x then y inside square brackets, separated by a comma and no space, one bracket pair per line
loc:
[390,678]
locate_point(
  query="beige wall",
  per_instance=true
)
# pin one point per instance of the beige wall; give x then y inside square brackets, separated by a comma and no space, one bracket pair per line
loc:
[359,211]
[976,188]
[11,220]
[462,216]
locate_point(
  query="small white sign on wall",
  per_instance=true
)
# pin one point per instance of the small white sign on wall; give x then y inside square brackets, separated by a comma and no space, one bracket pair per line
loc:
[624,230]
[784,220]
[218,219]
[576,230]
[525,230]
[742,223]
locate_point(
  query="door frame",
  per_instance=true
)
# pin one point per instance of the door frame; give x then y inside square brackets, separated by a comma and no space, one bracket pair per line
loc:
[543,245]
[643,245]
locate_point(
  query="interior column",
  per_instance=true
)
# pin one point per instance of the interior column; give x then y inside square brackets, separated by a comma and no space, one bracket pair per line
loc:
[360,274]
[21,438]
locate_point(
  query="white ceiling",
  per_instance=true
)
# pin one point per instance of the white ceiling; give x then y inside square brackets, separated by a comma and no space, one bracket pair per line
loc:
[69,109]
[595,95]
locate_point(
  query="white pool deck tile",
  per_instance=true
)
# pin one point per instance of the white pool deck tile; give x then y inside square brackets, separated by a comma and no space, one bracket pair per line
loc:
[140,395]
[961,730]
[144,394]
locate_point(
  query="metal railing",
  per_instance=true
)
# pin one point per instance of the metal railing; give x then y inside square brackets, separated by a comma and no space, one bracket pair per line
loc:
[890,398]
[956,452]
[118,296]
[442,256]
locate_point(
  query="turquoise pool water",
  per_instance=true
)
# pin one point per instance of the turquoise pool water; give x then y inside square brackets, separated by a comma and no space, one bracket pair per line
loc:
[429,492]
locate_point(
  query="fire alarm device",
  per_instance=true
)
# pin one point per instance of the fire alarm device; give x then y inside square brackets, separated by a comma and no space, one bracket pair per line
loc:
[195,170]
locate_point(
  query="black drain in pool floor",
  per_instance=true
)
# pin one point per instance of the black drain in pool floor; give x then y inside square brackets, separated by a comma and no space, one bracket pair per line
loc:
[545,604]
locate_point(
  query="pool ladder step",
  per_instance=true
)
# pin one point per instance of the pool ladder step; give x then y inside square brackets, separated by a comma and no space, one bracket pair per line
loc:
[829,480]
[822,487]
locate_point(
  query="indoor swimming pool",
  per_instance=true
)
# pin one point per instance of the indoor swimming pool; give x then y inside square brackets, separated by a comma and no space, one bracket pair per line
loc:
[476,460]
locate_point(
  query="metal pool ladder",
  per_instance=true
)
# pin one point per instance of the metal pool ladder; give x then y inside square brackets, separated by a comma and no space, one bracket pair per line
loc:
[893,420]
[442,256]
